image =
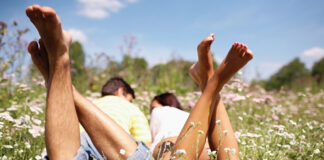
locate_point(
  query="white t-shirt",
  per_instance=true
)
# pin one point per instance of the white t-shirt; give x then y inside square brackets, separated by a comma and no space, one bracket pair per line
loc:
[166,122]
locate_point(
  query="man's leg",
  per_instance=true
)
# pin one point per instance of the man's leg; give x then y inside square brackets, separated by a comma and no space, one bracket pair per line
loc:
[194,141]
[108,137]
[62,135]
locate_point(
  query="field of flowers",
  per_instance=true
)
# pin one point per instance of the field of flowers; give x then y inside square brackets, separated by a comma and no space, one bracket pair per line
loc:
[268,125]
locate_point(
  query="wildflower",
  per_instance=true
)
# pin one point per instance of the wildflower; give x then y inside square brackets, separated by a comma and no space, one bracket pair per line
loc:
[292,122]
[210,153]
[275,117]
[309,125]
[292,142]
[237,134]
[218,121]
[286,146]
[240,118]
[191,124]
[225,132]
[27,145]
[233,151]
[258,117]
[302,137]
[279,127]
[317,151]
[37,121]
[227,149]
[4,157]
[122,151]
[200,132]
[38,157]
[7,146]
[180,152]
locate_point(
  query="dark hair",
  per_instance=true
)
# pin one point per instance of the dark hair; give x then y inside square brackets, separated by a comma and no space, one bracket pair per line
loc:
[113,84]
[168,99]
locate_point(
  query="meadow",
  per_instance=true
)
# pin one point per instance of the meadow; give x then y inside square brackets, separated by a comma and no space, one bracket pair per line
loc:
[268,125]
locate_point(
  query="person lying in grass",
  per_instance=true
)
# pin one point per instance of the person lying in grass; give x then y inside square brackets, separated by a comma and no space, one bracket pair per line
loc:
[66,107]
[167,116]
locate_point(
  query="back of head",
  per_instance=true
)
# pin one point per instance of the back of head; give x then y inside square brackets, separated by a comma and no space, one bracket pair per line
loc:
[113,84]
[168,99]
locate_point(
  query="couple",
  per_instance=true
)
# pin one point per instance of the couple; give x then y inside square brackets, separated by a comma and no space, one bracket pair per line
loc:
[66,107]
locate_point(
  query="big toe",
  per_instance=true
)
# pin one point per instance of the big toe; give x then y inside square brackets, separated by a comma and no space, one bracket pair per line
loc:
[35,53]
[48,11]
[248,54]
[33,47]
[205,43]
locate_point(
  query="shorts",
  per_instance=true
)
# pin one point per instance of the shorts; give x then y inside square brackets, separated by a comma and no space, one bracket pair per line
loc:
[88,151]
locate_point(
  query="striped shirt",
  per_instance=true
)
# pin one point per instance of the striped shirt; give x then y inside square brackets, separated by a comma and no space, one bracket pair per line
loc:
[127,115]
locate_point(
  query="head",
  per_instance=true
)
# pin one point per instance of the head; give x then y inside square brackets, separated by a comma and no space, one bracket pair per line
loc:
[165,99]
[118,87]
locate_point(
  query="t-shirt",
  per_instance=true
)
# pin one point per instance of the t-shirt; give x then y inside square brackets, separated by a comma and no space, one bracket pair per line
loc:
[166,122]
[127,115]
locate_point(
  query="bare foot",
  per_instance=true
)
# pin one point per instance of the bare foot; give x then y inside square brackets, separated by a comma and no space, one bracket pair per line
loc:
[40,59]
[56,40]
[237,57]
[203,69]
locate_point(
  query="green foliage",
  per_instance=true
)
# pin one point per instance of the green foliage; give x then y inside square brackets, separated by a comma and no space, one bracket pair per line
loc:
[287,75]
[78,70]
[172,75]
[318,70]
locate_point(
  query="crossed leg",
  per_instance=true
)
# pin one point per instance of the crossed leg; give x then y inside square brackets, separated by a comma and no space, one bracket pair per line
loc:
[65,105]
[218,140]
[61,126]
[206,107]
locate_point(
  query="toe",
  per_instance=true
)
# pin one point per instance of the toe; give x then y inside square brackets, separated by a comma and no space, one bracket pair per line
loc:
[29,11]
[33,47]
[242,49]
[206,42]
[48,11]
[36,12]
[236,47]
[248,55]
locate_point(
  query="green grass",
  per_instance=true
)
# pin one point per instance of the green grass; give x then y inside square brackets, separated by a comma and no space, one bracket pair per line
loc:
[268,125]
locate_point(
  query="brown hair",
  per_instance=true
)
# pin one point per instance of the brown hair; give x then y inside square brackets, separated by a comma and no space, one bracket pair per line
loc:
[168,99]
[113,84]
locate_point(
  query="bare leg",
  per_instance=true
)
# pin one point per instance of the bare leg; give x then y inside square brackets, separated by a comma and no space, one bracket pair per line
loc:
[108,137]
[203,69]
[62,135]
[227,139]
[203,111]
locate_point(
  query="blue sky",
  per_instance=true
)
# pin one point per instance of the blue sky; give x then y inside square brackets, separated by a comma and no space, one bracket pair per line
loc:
[276,31]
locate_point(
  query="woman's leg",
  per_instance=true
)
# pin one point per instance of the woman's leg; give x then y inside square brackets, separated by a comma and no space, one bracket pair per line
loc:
[221,134]
[192,139]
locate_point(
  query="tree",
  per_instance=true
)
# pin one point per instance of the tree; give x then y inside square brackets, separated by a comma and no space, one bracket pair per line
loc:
[318,70]
[287,75]
[173,75]
[78,70]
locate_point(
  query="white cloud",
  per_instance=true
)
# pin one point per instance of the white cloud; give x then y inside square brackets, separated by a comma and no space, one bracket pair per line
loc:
[78,35]
[132,1]
[266,69]
[99,9]
[313,53]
